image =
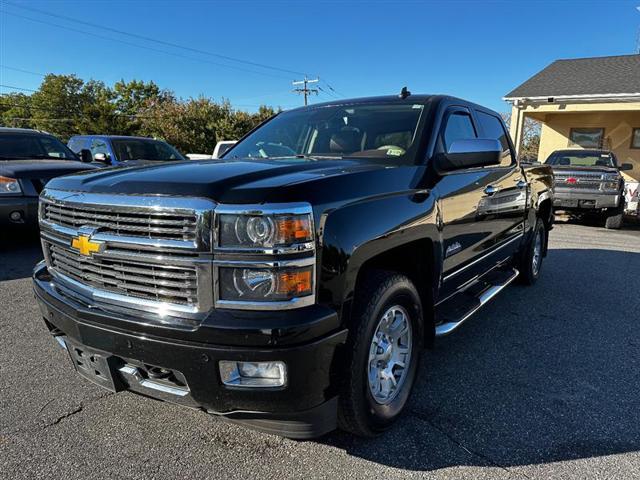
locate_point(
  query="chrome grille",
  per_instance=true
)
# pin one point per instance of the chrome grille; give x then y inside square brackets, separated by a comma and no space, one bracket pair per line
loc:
[154,252]
[152,225]
[584,180]
[160,283]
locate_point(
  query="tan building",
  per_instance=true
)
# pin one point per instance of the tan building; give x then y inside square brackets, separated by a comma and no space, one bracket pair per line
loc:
[584,102]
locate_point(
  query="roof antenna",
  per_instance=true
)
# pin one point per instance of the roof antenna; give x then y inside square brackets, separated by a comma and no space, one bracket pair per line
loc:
[404,93]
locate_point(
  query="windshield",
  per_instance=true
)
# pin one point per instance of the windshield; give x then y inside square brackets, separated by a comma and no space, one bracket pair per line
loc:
[582,159]
[382,131]
[33,146]
[144,149]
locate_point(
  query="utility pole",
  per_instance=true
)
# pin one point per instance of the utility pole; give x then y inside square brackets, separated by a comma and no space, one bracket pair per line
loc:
[305,90]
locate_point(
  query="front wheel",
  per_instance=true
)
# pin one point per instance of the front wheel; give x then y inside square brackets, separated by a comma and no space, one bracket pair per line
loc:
[614,222]
[531,259]
[384,350]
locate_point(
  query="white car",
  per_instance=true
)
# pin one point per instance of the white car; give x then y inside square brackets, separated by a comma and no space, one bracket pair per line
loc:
[221,147]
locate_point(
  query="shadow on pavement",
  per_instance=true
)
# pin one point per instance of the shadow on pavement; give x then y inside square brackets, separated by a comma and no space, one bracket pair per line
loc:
[543,374]
[19,252]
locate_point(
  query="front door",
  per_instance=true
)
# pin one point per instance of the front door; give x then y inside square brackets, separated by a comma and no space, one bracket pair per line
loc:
[481,209]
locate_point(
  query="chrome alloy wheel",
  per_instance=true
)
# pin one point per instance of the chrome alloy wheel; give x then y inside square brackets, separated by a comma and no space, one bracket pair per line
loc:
[537,253]
[390,355]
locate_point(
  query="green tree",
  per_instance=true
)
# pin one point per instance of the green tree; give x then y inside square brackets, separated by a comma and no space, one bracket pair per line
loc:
[58,105]
[15,110]
[131,99]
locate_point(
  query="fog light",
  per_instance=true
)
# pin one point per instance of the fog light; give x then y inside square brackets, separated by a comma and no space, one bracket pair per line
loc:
[253,374]
[15,216]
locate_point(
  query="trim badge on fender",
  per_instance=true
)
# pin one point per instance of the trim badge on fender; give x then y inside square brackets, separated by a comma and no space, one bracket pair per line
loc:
[455,247]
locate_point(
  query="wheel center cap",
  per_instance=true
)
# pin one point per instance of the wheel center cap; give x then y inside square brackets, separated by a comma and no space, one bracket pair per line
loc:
[387,349]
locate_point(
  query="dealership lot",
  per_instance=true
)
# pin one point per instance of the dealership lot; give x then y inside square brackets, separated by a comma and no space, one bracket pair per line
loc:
[543,383]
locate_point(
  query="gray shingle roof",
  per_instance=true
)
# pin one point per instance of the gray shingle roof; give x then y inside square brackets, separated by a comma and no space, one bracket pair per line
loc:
[584,76]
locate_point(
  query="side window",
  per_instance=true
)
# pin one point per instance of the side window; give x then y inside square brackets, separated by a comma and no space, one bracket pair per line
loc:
[75,145]
[99,146]
[459,127]
[492,128]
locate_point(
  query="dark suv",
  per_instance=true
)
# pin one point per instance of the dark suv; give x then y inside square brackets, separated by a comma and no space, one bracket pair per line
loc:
[117,150]
[28,160]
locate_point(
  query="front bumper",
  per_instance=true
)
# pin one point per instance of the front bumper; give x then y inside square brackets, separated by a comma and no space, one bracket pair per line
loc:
[27,207]
[566,199]
[306,407]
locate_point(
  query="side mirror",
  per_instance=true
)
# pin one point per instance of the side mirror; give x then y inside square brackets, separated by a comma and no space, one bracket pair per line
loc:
[626,166]
[102,157]
[471,153]
[85,156]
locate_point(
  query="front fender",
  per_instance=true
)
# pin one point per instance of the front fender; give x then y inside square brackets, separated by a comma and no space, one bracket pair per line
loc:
[358,232]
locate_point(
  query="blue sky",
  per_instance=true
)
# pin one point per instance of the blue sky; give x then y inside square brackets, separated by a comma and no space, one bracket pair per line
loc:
[475,50]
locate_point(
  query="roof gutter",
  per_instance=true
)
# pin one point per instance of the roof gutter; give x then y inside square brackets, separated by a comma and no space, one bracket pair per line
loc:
[597,97]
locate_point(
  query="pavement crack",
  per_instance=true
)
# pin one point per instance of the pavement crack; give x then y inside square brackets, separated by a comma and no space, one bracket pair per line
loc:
[425,418]
[62,417]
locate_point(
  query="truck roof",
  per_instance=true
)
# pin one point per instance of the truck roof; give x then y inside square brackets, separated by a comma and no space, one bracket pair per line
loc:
[419,98]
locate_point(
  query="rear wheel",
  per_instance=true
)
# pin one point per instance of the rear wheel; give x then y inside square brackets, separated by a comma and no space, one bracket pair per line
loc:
[531,260]
[384,352]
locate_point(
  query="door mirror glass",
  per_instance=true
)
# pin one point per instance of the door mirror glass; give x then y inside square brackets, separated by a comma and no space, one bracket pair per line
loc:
[626,166]
[85,155]
[470,153]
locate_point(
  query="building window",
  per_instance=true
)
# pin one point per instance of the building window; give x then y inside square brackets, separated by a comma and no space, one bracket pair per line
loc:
[635,138]
[586,137]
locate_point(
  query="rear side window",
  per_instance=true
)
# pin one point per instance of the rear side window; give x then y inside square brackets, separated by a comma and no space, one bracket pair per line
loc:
[492,127]
[459,127]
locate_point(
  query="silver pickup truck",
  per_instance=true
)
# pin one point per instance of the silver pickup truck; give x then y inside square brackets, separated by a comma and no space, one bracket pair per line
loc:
[589,181]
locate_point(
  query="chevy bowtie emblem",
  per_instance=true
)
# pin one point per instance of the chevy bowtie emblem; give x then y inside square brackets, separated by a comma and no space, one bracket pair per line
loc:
[85,245]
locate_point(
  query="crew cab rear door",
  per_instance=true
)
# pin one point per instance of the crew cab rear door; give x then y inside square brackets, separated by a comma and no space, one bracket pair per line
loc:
[481,209]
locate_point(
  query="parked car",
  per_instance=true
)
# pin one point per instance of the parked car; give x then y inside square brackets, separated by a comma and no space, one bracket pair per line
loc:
[589,181]
[28,160]
[220,149]
[118,150]
[292,286]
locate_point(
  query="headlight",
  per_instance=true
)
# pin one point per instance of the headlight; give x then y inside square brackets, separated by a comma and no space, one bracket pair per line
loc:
[264,256]
[610,185]
[265,285]
[9,186]
[263,231]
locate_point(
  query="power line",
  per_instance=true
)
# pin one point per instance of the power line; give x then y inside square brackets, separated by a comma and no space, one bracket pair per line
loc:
[305,90]
[155,40]
[75,30]
[7,67]
[18,88]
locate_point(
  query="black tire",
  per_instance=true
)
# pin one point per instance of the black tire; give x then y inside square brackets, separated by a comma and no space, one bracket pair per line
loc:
[614,222]
[529,271]
[359,412]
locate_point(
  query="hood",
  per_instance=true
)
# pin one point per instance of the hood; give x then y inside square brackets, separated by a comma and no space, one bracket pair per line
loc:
[226,181]
[43,169]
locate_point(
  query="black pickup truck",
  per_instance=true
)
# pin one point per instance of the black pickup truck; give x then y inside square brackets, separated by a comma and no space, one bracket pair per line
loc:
[292,284]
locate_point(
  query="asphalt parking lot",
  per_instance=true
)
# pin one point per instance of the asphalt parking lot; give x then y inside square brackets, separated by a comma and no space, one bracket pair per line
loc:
[542,383]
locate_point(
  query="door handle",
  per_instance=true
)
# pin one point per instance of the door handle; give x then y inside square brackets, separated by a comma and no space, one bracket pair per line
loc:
[490,189]
[521,183]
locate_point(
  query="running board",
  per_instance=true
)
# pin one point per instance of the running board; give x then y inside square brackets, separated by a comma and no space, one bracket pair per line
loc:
[457,309]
